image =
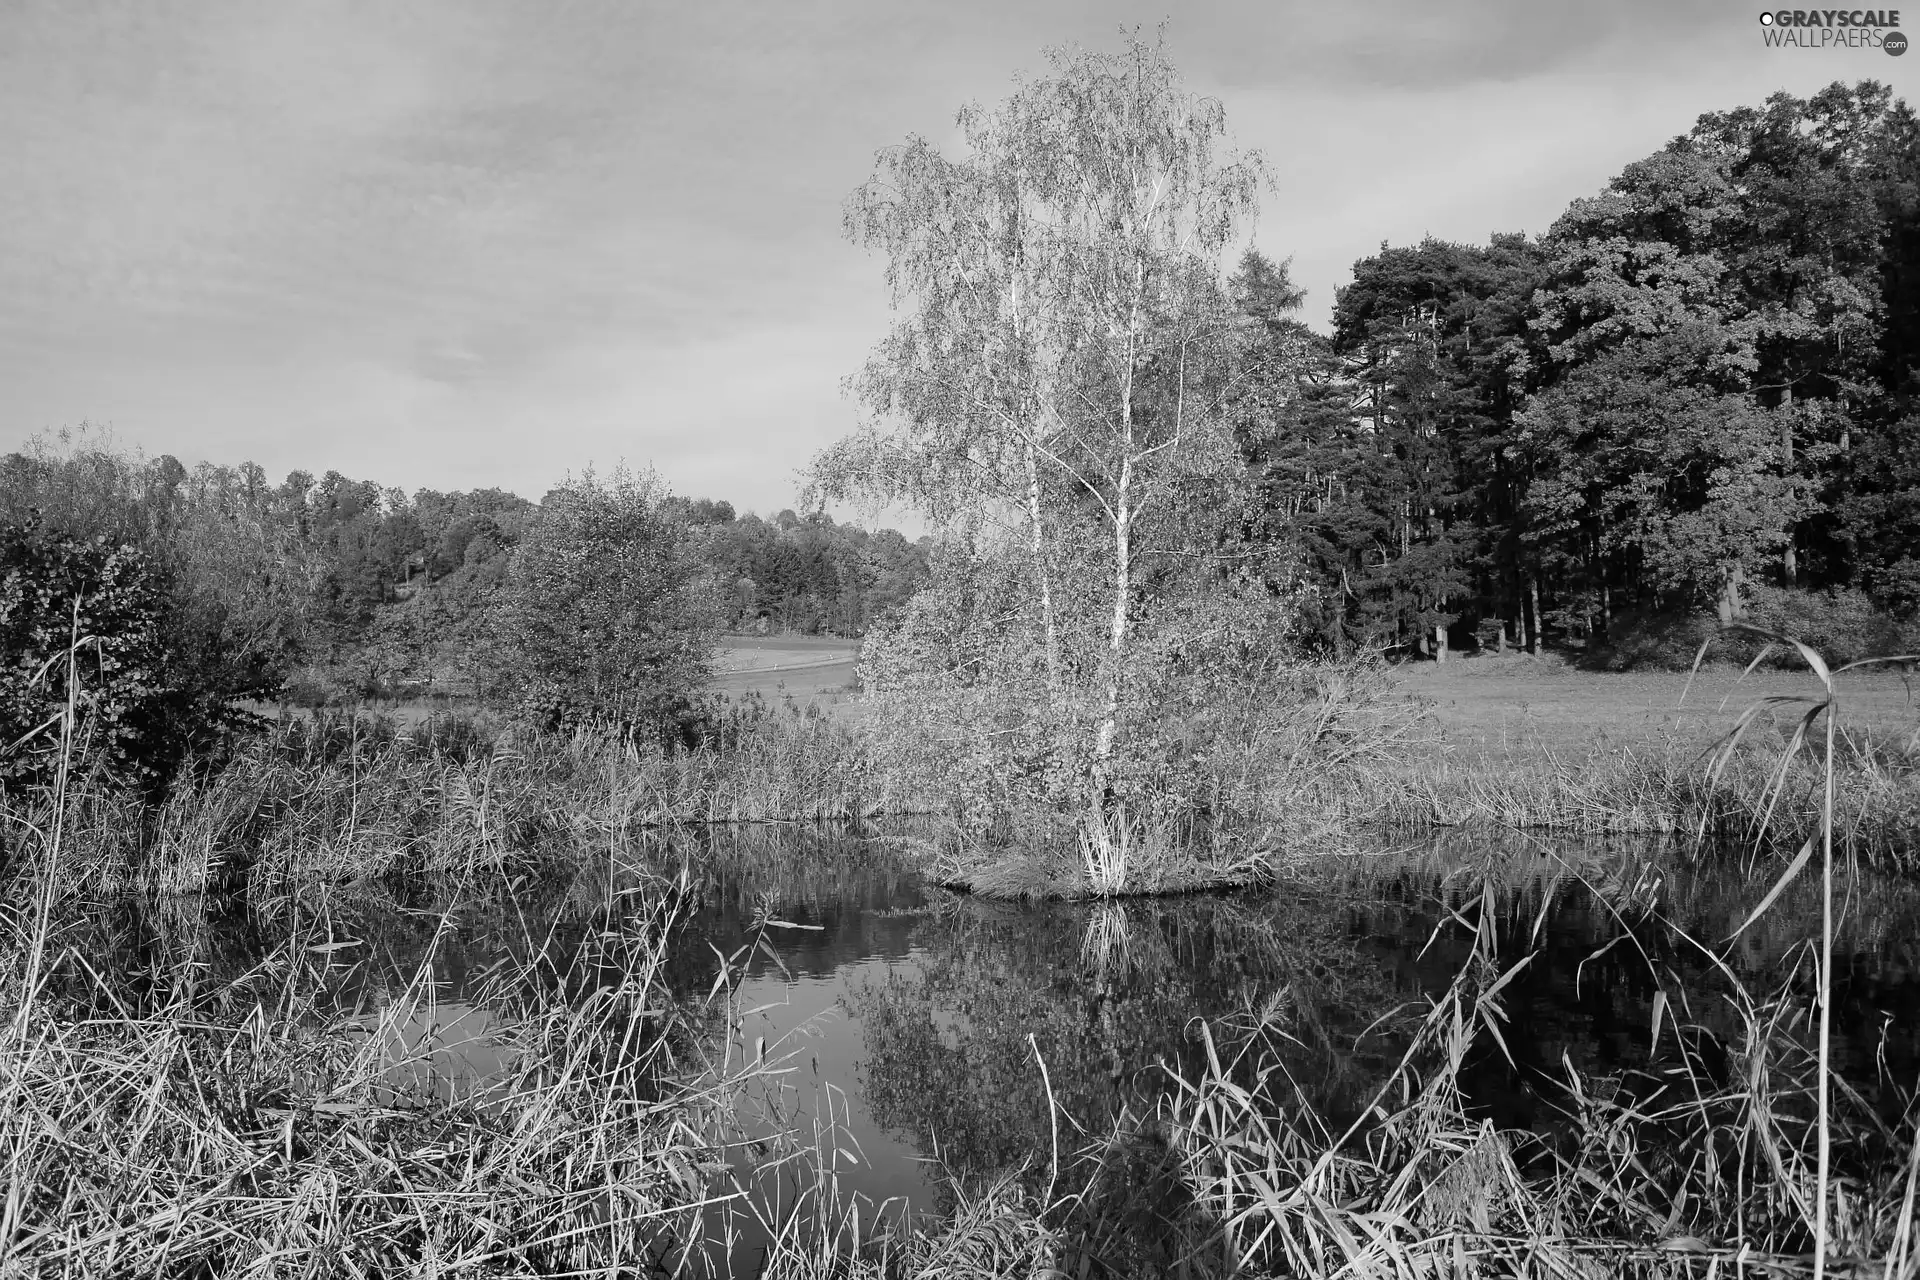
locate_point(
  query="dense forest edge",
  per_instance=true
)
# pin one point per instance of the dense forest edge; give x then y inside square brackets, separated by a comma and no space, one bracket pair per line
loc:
[1184,548]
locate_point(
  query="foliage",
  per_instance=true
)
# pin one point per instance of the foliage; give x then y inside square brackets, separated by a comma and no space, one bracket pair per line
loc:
[982,728]
[338,589]
[803,575]
[1222,723]
[80,621]
[1678,483]
[89,622]
[1695,385]
[1053,383]
[605,615]
[1842,622]
[1651,640]
[1380,461]
[241,583]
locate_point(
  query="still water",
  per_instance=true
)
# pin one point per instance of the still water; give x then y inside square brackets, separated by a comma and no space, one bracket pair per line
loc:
[912,1022]
[902,1029]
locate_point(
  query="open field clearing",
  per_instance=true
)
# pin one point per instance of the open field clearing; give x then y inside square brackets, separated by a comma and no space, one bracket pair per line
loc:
[1512,708]
[809,668]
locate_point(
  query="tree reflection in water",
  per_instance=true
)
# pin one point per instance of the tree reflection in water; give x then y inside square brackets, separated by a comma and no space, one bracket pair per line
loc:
[1111,993]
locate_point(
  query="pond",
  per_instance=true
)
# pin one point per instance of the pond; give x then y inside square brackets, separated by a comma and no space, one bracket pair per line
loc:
[914,1021]
[916,1042]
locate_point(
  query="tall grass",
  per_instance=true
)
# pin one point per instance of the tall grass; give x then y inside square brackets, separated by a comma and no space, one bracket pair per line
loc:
[1718,1158]
[250,1126]
[1708,1161]
[168,1123]
[1752,791]
[173,1122]
[1821,710]
[353,799]
[1732,1149]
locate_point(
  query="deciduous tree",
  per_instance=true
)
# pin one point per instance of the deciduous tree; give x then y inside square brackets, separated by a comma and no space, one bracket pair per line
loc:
[1060,360]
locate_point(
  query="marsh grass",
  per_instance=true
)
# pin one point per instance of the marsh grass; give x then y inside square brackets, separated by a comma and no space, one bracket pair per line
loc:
[1340,764]
[347,799]
[166,1121]
[1700,1159]
[175,1125]
[1704,1162]
[1717,1158]
[1733,1149]
[1752,792]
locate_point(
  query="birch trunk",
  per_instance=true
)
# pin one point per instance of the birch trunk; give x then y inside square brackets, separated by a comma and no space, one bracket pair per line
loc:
[1122,540]
[1043,579]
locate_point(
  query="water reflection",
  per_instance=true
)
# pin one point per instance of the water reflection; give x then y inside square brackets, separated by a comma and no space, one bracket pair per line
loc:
[927,1009]
[905,1027]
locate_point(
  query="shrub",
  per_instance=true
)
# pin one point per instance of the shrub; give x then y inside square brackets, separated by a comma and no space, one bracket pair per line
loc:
[239,577]
[1214,700]
[140,710]
[605,616]
[1651,641]
[1845,625]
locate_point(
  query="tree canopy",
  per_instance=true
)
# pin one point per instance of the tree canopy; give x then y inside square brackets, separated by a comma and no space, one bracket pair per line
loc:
[1055,384]
[1694,389]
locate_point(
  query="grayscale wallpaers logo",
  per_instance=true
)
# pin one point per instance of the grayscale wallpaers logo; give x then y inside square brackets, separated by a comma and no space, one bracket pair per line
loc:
[1834,29]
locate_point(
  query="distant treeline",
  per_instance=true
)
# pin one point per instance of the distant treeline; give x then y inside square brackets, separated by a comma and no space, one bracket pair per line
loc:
[368,584]
[786,573]
[1696,390]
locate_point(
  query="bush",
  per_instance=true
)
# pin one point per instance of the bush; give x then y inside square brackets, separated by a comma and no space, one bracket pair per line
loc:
[605,616]
[1211,694]
[1650,641]
[1844,626]
[140,711]
[238,574]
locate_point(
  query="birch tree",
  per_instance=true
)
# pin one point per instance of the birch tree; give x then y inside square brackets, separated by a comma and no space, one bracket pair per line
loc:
[1062,324]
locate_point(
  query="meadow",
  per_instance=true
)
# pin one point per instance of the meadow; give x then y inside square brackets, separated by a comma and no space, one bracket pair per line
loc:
[816,668]
[1513,708]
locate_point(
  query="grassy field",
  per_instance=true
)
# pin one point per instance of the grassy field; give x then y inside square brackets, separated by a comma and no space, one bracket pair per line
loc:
[1513,708]
[1539,744]
[809,668]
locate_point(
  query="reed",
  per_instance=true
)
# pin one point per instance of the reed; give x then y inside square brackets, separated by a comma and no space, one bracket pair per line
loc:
[1720,1157]
[351,799]
[186,1127]
[1748,791]
[168,1123]
[179,1122]
[1706,1162]
[1732,1150]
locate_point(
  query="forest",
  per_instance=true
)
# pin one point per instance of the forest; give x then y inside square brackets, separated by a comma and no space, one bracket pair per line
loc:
[1696,390]
[351,590]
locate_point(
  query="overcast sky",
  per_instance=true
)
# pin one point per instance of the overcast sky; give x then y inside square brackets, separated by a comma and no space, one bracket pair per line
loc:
[452,243]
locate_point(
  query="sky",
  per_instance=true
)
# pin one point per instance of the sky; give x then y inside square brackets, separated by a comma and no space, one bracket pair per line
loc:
[461,243]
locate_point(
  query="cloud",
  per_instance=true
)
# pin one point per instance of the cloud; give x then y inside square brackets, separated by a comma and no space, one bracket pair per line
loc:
[453,243]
